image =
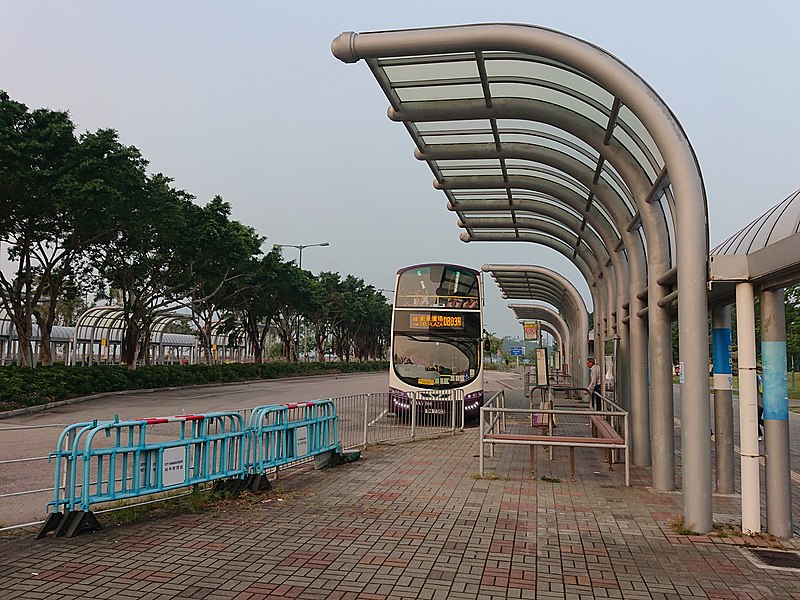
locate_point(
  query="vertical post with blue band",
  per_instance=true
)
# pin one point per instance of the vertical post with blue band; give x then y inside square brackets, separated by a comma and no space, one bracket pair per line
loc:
[776,386]
[725,471]
[776,413]
[721,345]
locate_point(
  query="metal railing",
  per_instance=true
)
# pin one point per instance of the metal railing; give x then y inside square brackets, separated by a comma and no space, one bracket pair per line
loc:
[493,430]
[366,419]
[361,420]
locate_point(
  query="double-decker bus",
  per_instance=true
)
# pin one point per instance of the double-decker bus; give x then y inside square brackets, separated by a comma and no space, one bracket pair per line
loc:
[436,343]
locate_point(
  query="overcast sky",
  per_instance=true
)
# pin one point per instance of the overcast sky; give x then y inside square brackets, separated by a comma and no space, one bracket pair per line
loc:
[245,100]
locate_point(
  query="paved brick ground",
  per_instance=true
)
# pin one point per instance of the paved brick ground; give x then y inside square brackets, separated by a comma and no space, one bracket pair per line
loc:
[412,521]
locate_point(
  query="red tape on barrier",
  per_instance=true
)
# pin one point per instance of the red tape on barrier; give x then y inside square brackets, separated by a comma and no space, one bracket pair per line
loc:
[299,405]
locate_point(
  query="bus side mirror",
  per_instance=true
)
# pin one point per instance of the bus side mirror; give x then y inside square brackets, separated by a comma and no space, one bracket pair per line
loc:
[487,345]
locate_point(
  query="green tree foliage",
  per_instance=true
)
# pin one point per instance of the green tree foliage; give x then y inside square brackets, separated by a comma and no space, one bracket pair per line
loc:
[59,194]
[257,298]
[143,260]
[793,327]
[221,252]
[82,213]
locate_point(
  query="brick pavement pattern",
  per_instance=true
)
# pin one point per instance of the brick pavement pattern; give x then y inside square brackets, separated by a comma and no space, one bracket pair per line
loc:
[414,521]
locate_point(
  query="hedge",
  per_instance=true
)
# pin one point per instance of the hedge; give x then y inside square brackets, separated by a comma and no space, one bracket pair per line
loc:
[20,387]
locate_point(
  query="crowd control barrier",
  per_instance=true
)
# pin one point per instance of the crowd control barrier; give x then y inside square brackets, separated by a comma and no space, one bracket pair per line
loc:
[283,434]
[106,461]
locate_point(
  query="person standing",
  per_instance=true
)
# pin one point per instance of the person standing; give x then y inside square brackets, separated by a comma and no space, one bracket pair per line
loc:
[595,383]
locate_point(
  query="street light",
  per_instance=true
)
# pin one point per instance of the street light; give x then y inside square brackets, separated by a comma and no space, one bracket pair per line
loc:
[300,266]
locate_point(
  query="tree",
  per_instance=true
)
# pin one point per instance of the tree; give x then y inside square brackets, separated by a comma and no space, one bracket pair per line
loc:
[143,260]
[221,251]
[269,291]
[58,195]
[326,313]
[34,147]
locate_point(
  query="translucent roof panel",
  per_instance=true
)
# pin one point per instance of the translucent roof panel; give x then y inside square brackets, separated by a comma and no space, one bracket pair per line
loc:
[779,222]
[636,130]
[484,117]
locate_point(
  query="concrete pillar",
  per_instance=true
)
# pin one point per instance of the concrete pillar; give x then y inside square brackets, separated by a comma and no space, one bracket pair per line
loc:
[723,399]
[748,414]
[776,414]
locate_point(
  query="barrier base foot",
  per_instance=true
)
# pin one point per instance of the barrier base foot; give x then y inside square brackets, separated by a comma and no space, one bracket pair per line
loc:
[333,459]
[51,523]
[258,483]
[232,486]
[76,522]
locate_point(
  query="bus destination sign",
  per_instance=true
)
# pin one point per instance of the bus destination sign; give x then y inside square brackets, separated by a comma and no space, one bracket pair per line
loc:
[435,321]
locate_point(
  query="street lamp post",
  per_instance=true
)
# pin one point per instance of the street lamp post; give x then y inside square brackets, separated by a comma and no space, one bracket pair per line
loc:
[300,266]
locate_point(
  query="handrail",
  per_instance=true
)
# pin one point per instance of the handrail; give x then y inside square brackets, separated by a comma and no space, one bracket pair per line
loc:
[608,410]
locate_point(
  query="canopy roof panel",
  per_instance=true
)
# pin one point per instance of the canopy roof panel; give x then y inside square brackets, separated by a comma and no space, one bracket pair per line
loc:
[765,252]
[503,119]
[779,222]
[416,84]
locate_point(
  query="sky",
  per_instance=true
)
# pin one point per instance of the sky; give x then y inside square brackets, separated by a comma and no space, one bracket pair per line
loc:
[245,100]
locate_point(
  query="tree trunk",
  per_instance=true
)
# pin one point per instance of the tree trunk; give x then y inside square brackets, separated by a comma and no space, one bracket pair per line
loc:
[130,344]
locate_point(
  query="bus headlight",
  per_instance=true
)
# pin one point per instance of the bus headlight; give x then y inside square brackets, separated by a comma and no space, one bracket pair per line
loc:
[399,399]
[473,401]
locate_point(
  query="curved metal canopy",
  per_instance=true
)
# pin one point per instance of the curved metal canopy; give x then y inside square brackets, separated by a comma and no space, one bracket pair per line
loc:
[531,282]
[517,121]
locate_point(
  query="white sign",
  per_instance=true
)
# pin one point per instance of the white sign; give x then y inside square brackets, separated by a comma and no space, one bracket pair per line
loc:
[173,466]
[541,367]
[301,441]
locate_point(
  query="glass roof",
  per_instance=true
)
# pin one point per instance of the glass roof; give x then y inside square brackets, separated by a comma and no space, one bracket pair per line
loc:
[501,147]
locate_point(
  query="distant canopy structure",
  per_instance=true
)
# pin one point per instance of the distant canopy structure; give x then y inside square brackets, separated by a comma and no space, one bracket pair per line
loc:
[536,283]
[537,136]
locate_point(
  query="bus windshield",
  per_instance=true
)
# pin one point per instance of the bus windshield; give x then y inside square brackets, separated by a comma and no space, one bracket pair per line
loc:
[441,286]
[436,349]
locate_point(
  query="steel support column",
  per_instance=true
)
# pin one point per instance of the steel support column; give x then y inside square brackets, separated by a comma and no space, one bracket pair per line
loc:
[723,398]
[776,414]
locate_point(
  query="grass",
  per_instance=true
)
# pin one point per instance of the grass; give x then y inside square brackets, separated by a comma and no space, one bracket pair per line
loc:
[679,526]
[547,479]
[199,500]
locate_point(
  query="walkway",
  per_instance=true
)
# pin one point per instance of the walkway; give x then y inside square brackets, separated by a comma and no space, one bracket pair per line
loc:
[413,521]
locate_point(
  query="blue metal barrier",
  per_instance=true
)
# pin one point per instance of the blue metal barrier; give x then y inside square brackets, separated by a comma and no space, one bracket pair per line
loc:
[104,461]
[282,434]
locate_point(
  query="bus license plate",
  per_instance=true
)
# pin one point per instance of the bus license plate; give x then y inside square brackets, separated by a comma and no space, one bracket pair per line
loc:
[435,411]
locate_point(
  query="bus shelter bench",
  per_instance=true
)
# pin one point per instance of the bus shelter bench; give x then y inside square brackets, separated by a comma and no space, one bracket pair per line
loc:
[606,438]
[601,428]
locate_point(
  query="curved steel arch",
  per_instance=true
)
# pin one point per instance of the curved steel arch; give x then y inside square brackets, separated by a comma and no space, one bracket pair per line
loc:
[526,312]
[632,99]
[575,314]
[633,378]
[588,268]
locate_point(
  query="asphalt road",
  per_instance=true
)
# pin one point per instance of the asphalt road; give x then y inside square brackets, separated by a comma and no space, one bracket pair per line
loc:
[35,435]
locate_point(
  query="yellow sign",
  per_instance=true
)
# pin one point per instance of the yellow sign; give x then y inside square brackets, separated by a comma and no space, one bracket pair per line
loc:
[429,321]
[103,342]
[531,330]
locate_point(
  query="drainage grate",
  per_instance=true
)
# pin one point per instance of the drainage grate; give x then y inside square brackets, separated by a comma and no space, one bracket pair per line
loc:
[777,559]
